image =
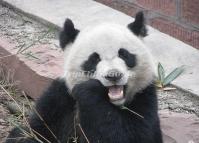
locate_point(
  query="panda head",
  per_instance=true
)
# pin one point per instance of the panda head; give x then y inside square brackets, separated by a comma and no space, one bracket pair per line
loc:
[111,53]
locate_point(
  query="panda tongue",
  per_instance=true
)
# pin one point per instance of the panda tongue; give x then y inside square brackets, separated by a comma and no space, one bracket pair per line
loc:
[115,92]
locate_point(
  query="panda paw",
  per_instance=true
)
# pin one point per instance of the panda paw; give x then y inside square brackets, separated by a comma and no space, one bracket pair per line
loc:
[89,92]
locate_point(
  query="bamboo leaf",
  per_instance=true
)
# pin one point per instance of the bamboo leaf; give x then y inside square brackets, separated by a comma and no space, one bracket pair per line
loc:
[173,75]
[161,72]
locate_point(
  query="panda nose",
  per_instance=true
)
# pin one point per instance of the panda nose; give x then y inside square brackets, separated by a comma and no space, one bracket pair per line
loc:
[114,75]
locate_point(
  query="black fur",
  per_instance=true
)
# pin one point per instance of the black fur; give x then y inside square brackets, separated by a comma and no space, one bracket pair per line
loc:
[89,66]
[68,34]
[130,59]
[138,26]
[101,121]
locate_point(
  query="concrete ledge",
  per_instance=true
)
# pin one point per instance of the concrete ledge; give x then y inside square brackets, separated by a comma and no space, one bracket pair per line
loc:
[33,76]
[167,50]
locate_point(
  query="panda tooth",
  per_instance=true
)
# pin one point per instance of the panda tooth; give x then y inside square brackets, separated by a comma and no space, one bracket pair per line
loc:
[121,92]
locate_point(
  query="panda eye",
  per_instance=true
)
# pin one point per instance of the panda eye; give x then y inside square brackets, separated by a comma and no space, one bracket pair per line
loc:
[130,59]
[89,66]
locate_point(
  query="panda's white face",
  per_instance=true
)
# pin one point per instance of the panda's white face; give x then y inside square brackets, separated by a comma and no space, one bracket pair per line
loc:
[115,56]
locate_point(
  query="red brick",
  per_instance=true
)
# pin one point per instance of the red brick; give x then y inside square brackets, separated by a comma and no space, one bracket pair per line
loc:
[190,11]
[177,31]
[128,9]
[167,7]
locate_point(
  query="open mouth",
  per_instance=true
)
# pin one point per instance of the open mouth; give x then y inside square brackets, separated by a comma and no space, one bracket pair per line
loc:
[116,93]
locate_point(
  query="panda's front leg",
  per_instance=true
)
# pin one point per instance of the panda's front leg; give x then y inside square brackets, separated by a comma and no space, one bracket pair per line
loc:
[100,121]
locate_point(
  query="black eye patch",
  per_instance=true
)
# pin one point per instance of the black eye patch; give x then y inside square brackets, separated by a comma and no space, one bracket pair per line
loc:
[89,66]
[130,59]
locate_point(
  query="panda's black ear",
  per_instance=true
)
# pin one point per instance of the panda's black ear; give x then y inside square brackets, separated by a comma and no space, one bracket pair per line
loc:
[138,27]
[68,33]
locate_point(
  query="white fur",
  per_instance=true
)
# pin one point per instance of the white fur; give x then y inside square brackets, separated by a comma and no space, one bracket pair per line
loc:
[106,40]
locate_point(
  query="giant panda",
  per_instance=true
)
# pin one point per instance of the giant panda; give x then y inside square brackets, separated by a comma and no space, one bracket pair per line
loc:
[107,94]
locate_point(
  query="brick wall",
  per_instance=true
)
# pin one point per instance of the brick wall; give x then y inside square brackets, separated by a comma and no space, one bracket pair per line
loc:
[178,18]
